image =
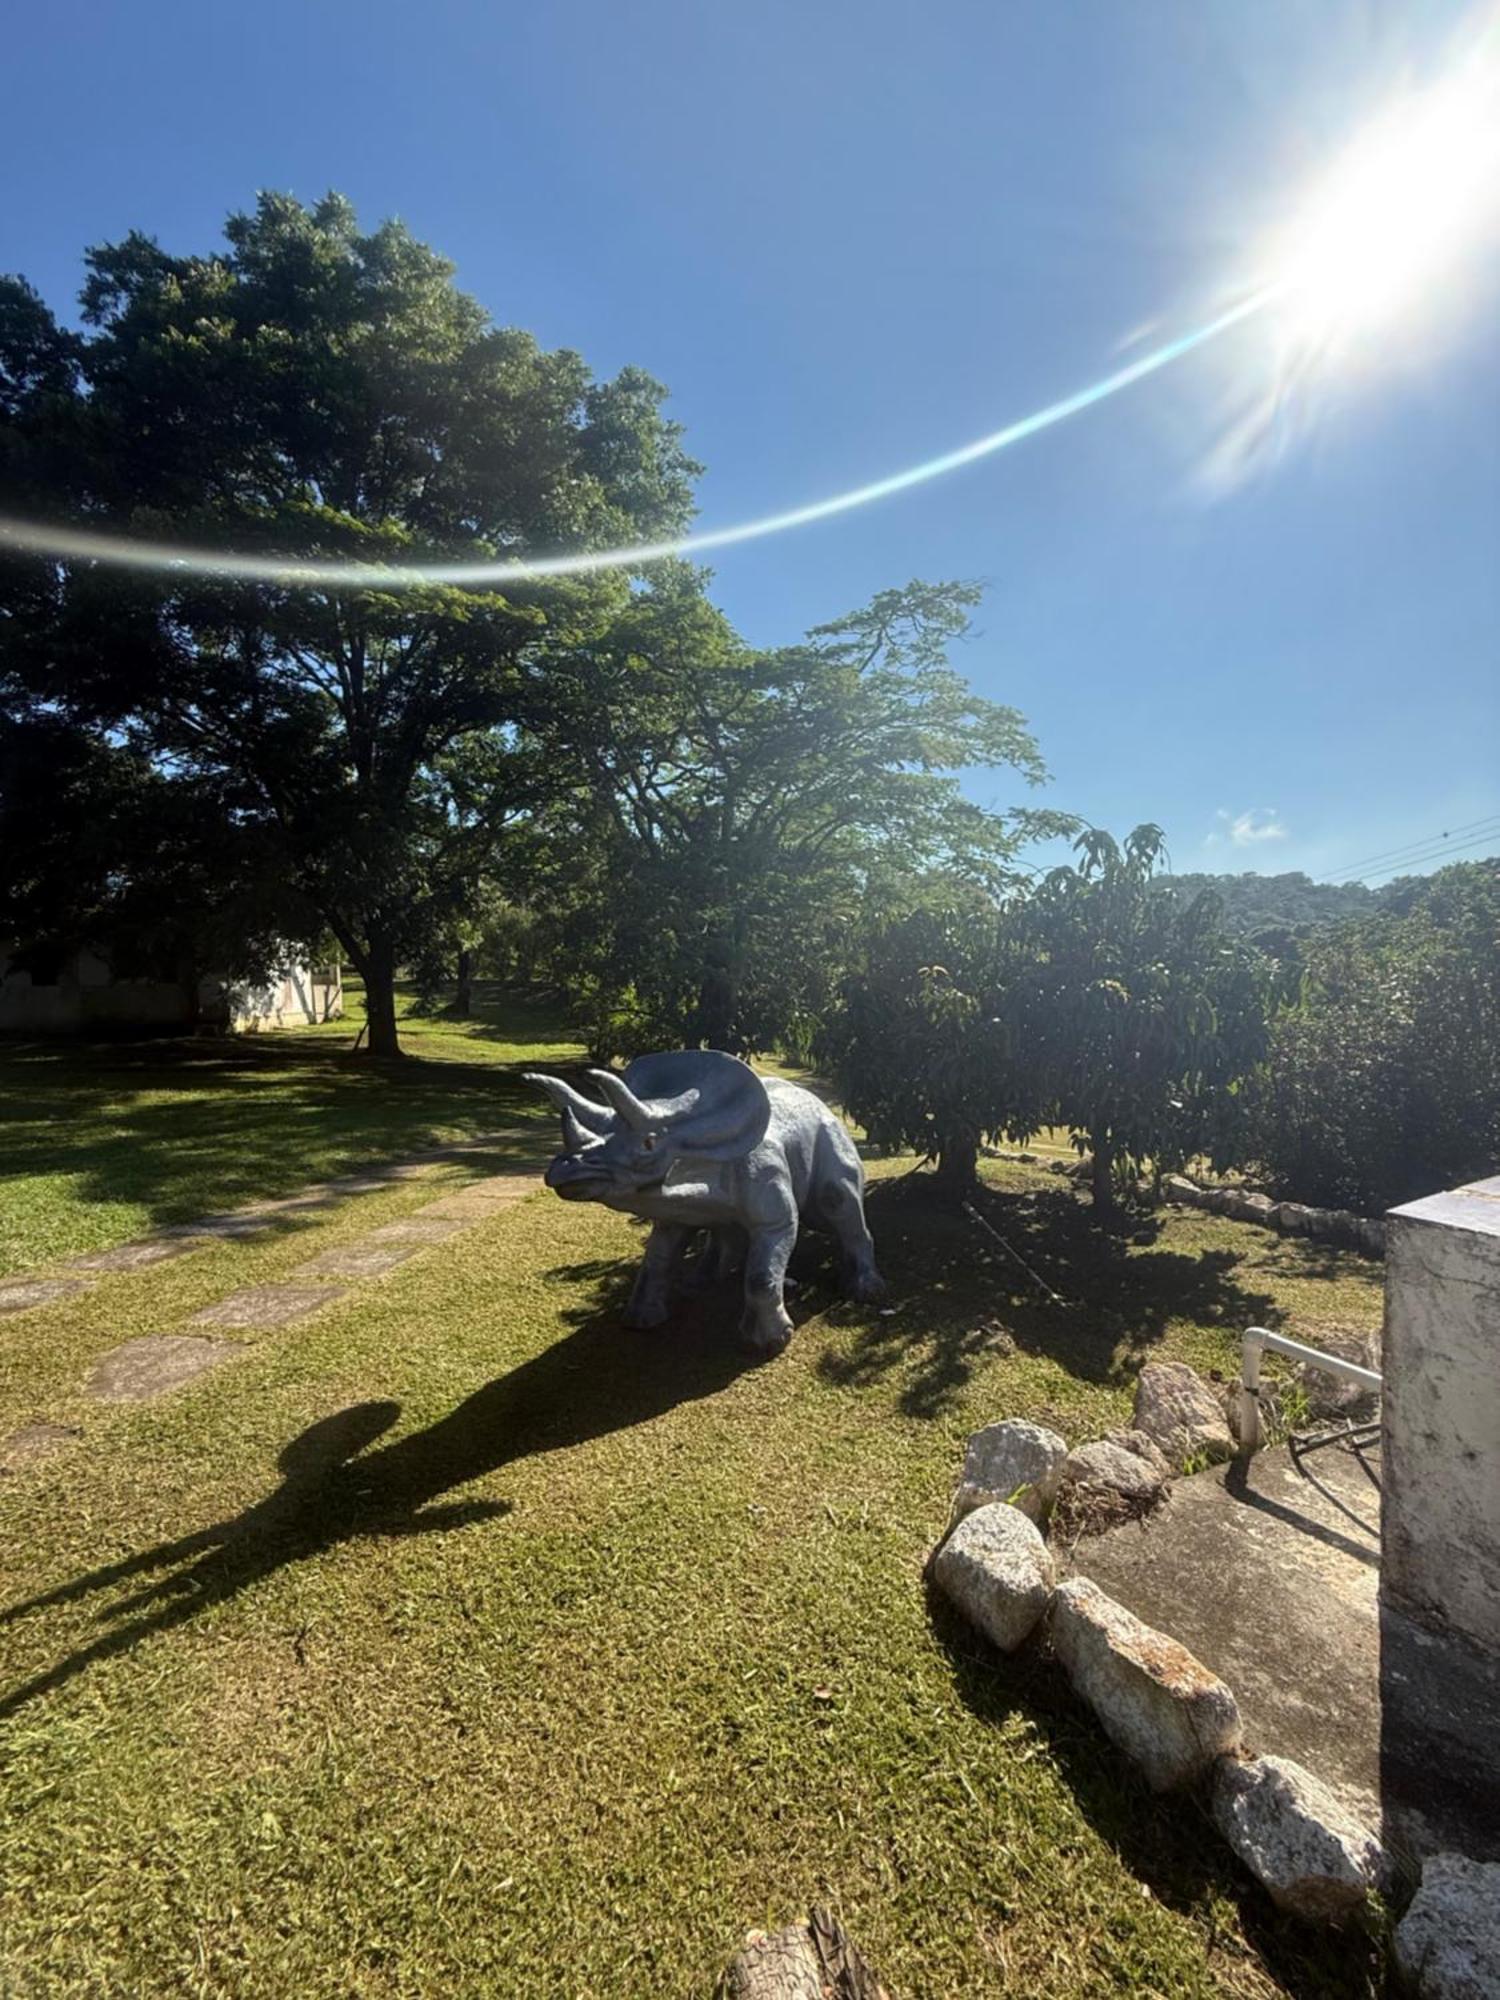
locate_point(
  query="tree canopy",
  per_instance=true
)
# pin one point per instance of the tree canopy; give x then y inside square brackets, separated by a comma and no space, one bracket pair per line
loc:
[1092,1000]
[316,390]
[1383,1078]
[730,817]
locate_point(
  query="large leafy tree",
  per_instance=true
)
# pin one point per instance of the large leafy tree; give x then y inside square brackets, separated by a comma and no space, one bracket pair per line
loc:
[1140,1015]
[1093,999]
[324,392]
[154,869]
[918,1045]
[1382,1082]
[732,820]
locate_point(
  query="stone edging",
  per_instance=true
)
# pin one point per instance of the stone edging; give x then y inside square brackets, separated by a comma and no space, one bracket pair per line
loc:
[1339,1226]
[1174,1718]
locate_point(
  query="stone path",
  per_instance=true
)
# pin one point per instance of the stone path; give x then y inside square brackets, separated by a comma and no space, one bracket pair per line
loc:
[265,1306]
[150,1366]
[145,1368]
[35,1441]
[134,1256]
[21,1294]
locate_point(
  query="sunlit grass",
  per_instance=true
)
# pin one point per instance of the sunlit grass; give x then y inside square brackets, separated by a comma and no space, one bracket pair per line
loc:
[602,1646]
[104,1141]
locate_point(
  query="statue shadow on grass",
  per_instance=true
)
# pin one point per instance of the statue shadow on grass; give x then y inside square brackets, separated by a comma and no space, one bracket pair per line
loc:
[335,1488]
[1165,1842]
[1095,1300]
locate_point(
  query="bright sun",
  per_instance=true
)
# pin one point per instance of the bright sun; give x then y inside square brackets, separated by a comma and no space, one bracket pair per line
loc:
[1393,224]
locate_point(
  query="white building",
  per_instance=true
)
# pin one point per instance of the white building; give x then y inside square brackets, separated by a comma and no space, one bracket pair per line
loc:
[85,994]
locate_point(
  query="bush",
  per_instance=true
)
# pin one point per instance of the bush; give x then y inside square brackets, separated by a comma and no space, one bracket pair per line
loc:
[1383,1078]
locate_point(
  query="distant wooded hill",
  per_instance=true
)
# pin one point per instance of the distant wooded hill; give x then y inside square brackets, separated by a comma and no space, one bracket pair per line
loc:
[1255,903]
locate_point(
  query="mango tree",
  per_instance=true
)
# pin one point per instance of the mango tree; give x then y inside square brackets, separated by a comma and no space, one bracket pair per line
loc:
[1138,1015]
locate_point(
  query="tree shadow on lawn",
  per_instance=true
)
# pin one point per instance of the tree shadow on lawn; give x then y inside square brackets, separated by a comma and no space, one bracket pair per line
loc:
[598,1379]
[185,1127]
[960,1298]
[1169,1843]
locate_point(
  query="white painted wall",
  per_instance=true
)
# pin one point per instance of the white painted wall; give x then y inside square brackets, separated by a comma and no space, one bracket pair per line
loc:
[1440,1519]
[85,994]
[1442,1410]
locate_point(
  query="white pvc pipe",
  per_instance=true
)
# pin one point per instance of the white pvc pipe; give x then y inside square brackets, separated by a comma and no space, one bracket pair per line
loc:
[1253,1343]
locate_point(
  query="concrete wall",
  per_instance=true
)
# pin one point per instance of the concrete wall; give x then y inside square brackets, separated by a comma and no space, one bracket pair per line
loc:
[1440,1570]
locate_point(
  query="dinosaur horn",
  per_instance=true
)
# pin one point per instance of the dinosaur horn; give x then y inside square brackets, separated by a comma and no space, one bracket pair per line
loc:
[597,1119]
[639,1117]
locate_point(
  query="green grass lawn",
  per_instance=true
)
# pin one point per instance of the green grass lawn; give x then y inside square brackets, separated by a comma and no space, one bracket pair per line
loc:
[104,1141]
[459,1642]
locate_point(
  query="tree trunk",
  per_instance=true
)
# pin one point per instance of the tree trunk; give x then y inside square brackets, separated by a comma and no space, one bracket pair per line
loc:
[958,1165]
[715,1013]
[1104,1171]
[463,999]
[379,971]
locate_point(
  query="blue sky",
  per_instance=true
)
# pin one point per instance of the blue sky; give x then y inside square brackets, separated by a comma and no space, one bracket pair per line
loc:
[849,236]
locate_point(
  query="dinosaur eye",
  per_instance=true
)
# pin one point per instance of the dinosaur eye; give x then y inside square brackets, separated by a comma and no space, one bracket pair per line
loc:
[648,1144]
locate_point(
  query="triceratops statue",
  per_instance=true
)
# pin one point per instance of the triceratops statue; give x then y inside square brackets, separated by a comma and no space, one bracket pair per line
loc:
[694,1140]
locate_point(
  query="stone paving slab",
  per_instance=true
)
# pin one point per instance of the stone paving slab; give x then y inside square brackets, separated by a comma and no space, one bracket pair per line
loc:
[34,1441]
[457,1208]
[503,1187]
[422,1228]
[357,1260]
[499,1187]
[243,1222]
[22,1294]
[466,1207]
[141,1369]
[1267,1570]
[135,1256]
[260,1306]
[311,1201]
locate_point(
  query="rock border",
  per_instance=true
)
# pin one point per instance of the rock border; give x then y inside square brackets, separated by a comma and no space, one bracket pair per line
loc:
[1339,1226]
[1172,1717]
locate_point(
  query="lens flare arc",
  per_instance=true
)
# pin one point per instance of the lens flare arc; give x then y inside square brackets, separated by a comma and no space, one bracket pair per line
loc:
[126,552]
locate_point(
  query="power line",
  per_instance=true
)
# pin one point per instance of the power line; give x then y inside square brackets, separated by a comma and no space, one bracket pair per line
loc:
[1436,851]
[1437,841]
[1387,853]
[1480,840]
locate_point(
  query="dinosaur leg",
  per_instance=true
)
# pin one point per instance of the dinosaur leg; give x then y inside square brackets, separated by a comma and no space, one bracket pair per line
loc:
[766,1326]
[650,1300]
[844,1211]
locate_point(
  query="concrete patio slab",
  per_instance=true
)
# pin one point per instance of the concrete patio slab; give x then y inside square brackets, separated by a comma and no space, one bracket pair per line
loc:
[22,1294]
[1268,1572]
[136,1256]
[141,1369]
[357,1260]
[262,1306]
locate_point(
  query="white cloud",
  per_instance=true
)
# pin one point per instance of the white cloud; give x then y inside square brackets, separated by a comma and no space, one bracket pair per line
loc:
[1248,828]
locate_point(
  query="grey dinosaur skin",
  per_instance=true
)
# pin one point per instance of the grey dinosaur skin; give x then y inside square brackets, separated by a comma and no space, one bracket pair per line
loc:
[693,1140]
